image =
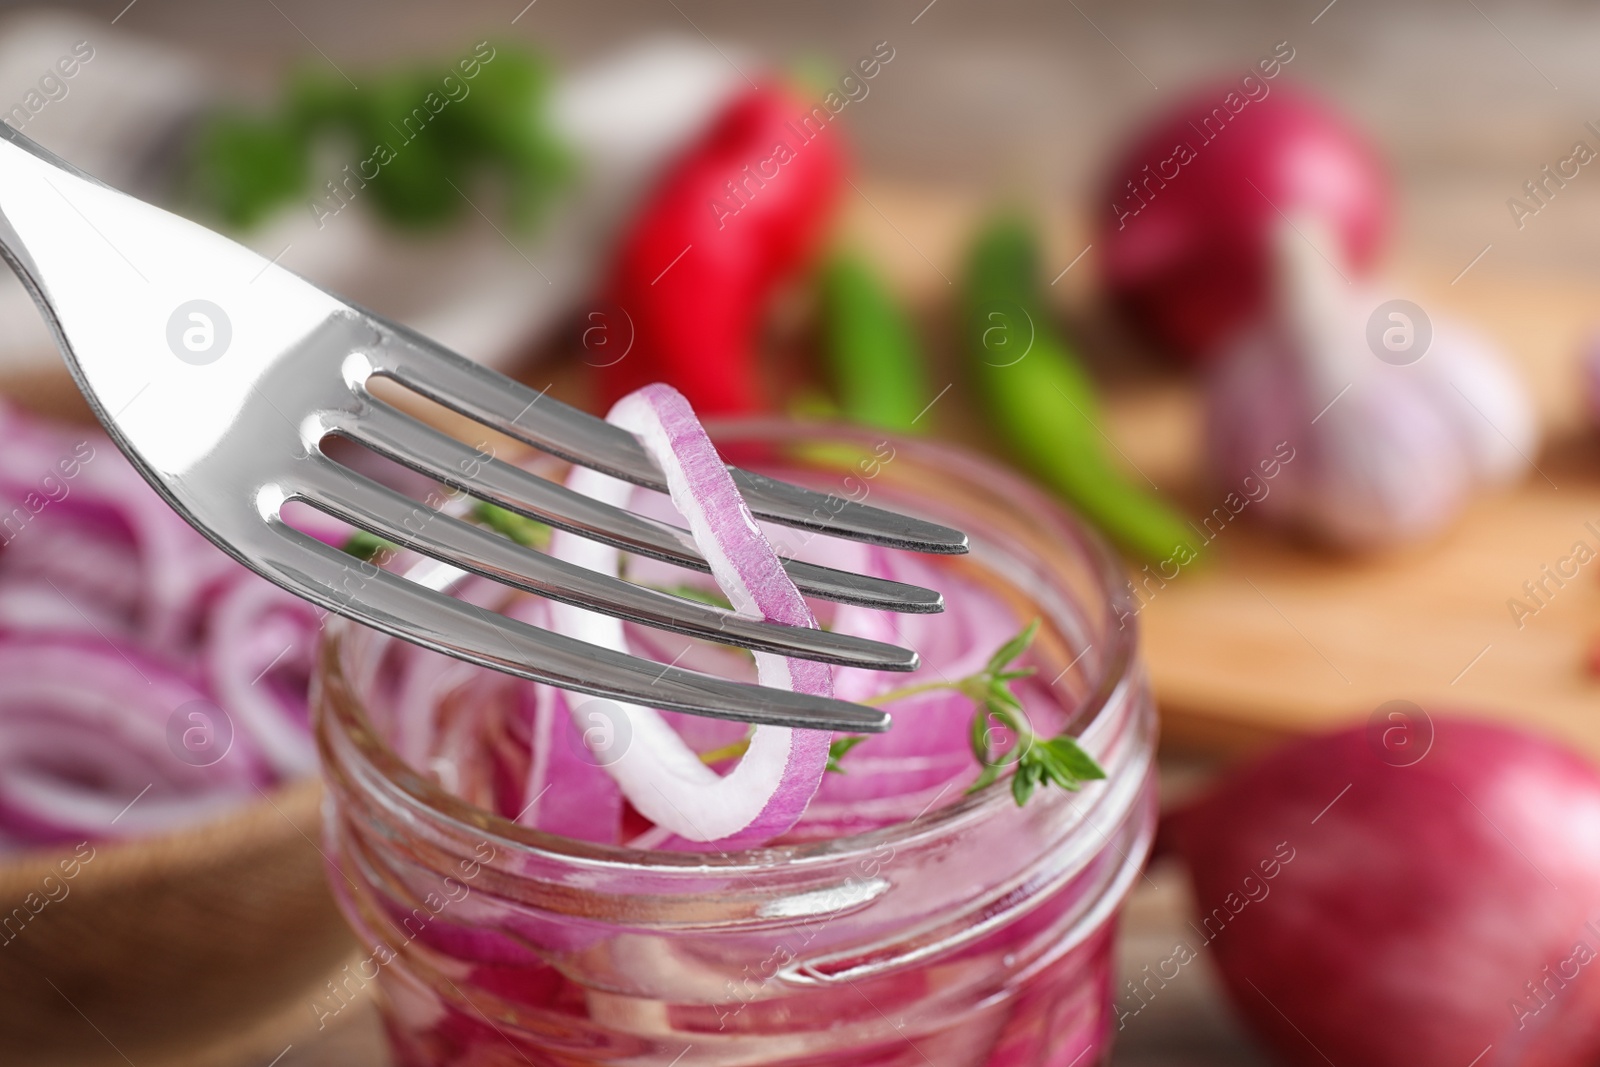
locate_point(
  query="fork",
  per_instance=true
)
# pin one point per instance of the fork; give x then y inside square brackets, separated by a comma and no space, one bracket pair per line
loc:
[220,374]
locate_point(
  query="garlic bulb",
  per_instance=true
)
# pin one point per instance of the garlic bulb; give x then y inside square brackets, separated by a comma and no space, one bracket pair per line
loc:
[1387,449]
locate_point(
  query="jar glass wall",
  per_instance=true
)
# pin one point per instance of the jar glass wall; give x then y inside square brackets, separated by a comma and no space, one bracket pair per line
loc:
[976,932]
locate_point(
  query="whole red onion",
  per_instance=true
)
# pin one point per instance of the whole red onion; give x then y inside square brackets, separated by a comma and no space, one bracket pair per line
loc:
[1189,207]
[1414,893]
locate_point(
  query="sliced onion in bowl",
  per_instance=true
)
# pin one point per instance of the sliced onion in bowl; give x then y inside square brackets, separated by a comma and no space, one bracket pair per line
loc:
[95,742]
[258,661]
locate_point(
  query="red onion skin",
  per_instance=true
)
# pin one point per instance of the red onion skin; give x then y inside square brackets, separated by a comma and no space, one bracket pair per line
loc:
[1417,903]
[1191,267]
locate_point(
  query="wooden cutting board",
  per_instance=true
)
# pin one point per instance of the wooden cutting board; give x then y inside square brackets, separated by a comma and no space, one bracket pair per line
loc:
[1274,639]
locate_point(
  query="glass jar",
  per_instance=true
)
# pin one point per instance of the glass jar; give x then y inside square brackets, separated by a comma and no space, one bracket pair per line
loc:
[976,933]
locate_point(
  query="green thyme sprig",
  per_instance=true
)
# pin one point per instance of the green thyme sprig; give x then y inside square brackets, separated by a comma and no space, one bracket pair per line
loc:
[1058,760]
[1000,734]
[999,717]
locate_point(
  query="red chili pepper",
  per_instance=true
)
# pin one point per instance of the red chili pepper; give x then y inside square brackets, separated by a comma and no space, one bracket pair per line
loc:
[739,213]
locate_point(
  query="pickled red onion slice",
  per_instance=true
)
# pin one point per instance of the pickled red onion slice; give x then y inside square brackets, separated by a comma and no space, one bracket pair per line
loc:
[768,790]
[566,791]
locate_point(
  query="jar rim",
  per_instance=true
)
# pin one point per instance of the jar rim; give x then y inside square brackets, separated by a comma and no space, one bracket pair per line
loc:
[426,798]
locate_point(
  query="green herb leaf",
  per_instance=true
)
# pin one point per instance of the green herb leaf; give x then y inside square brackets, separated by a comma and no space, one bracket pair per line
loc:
[1073,759]
[245,167]
[1037,761]
[1003,704]
[411,144]
[978,737]
[524,531]
[839,747]
[363,545]
[1054,771]
[1012,648]
[1023,781]
[990,775]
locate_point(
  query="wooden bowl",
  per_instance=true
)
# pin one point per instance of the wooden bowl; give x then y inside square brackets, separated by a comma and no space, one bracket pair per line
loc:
[140,950]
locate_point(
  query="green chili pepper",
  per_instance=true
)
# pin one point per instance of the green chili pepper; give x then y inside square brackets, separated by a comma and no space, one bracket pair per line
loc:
[876,364]
[1042,403]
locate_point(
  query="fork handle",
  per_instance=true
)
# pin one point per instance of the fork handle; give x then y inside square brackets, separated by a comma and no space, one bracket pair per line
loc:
[21,156]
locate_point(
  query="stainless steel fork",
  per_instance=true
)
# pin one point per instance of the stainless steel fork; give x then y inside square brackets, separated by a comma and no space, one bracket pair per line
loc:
[221,374]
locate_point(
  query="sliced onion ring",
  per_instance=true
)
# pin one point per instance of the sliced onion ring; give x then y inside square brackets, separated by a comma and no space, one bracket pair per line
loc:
[768,790]
[87,727]
[258,661]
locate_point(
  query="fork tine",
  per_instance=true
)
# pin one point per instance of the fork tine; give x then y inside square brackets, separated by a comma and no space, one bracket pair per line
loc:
[219,438]
[551,426]
[378,509]
[405,440]
[409,611]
